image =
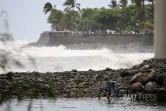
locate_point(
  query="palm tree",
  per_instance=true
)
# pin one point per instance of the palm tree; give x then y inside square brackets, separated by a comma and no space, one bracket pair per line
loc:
[123,3]
[132,2]
[70,20]
[113,4]
[140,5]
[152,1]
[52,18]
[48,7]
[71,4]
[143,9]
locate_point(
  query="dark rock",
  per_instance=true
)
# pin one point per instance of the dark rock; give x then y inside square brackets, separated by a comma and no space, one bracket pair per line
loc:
[136,87]
[130,72]
[160,79]
[137,66]
[134,79]
[74,70]
[145,68]
[161,94]
[100,78]
[91,70]
[82,83]
[150,86]
[108,69]
[134,71]
[140,77]
[164,84]
[9,75]
[152,76]
[124,73]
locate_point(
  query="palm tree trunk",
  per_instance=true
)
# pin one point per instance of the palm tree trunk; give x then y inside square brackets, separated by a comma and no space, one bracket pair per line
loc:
[143,10]
[153,7]
[152,2]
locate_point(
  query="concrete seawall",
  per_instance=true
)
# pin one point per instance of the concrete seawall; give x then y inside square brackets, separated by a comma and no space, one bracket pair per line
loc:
[66,38]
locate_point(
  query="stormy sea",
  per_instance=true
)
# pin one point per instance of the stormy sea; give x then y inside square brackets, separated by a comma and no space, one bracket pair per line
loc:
[65,58]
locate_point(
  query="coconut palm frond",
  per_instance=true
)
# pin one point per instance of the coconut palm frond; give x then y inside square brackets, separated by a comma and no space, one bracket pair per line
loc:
[47,7]
[67,8]
[78,8]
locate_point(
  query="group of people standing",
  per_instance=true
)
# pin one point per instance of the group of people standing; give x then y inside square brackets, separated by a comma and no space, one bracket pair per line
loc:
[99,31]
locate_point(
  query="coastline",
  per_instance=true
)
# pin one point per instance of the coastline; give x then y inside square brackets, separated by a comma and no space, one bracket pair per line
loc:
[82,83]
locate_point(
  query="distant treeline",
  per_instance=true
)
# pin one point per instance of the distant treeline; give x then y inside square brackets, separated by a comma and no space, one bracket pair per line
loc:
[120,16]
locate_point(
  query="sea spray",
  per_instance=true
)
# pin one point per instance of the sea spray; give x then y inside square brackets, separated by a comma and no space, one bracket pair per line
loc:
[60,58]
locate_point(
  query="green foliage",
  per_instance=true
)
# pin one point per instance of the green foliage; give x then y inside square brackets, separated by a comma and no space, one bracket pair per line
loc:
[120,16]
[71,4]
[54,19]
[123,3]
[47,7]
[70,20]
[113,4]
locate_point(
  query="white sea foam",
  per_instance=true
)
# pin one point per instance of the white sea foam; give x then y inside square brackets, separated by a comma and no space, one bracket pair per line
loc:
[61,59]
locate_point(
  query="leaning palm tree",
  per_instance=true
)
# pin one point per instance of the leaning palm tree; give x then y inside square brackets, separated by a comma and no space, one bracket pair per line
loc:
[70,20]
[152,1]
[71,4]
[140,4]
[113,4]
[48,7]
[132,2]
[123,3]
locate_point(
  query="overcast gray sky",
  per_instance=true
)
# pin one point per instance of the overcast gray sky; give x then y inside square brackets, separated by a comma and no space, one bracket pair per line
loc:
[26,17]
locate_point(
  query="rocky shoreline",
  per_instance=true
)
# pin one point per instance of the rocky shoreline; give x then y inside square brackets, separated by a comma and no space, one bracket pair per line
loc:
[147,77]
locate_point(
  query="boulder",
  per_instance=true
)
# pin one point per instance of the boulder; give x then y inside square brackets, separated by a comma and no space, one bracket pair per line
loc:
[90,70]
[145,68]
[100,77]
[164,84]
[150,86]
[74,70]
[124,73]
[152,76]
[160,79]
[131,72]
[136,87]
[108,69]
[137,66]
[140,77]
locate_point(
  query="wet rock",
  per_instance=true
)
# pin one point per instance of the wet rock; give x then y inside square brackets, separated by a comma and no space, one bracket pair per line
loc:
[82,83]
[150,86]
[134,71]
[100,78]
[90,70]
[130,72]
[125,72]
[152,76]
[145,68]
[160,79]
[140,77]
[161,94]
[137,66]
[136,87]
[135,78]
[108,69]
[9,76]
[74,70]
